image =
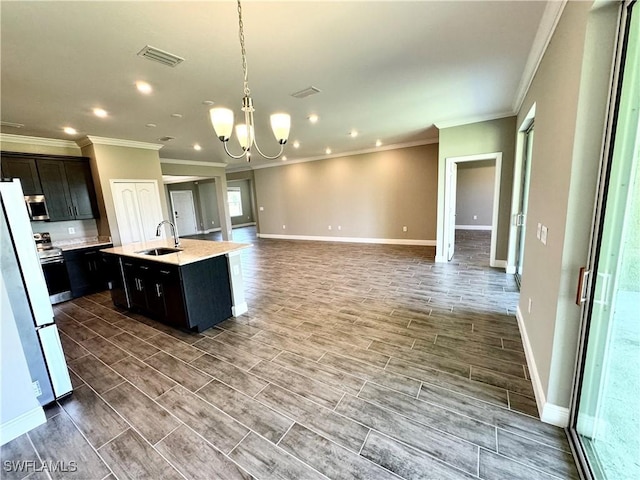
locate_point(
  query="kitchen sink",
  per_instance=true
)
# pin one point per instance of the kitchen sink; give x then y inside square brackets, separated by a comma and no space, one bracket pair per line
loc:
[159,251]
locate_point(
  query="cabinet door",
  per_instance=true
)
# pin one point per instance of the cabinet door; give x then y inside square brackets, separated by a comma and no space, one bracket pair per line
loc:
[134,284]
[171,287]
[81,189]
[24,169]
[55,189]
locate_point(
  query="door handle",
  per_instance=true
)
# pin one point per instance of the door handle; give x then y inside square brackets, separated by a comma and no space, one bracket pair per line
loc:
[581,295]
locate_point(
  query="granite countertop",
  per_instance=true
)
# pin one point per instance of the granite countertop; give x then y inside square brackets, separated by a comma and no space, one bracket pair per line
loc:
[85,242]
[190,250]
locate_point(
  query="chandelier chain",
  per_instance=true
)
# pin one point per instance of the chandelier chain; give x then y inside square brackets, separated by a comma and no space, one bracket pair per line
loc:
[247,92]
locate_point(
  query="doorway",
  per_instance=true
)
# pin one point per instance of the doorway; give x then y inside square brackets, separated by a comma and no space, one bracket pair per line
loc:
[523,202]
[184,213]
[605,411]
[450,202]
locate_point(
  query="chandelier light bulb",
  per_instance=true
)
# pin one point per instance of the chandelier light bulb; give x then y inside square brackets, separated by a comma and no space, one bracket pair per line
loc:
[222,121]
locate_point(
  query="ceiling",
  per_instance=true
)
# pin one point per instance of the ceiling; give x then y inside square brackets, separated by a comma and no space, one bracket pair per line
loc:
[391,70]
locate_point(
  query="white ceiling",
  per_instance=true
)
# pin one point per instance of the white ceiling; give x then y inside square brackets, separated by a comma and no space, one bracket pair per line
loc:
[391,69]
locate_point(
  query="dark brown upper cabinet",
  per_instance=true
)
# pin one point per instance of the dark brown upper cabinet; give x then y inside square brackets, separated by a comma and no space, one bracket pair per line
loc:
[68,189]
[25,169]
[65,182]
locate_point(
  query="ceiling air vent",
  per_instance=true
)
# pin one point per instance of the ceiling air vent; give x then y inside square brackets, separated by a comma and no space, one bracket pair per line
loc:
[11,124]
[306,92]
[160,56]
[166,139]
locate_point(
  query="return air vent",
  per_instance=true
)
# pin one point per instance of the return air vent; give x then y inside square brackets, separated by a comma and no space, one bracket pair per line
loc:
[11,124]
[306,92]
[166,139]
[160,56]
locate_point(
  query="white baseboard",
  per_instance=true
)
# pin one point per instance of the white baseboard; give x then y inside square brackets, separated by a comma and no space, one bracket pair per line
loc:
[498,264]
[549,413]
[22,424]
[511,269]
[384,241]
[238,310]
[250,224]
[474,227]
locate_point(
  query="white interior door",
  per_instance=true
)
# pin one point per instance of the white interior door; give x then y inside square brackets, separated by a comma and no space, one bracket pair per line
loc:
[150,209]
[125,200]
[451,209]
[138,210]
[184,212]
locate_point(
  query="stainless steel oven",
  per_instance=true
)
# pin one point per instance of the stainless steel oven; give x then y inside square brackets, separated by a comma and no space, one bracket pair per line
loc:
[54,269]
[37,207]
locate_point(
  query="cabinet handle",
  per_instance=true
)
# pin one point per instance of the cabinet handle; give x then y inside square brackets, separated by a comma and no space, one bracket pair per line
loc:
[75,209]
[69,208]
[166,272]
[158,292]
[142,267]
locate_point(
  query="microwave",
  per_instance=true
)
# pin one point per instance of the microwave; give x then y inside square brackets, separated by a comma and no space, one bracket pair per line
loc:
[37,207]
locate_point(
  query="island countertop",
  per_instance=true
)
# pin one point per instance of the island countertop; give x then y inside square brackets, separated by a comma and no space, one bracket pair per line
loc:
[190,250]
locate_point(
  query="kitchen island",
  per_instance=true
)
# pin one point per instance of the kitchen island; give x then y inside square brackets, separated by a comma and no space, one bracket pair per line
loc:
[193,286]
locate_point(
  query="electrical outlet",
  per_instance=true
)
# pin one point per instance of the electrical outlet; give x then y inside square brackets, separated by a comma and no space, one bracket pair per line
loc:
[329,227]
[529,306]
[213,222]
[284,227]
[543,234]
[339,227]
[404,229]
[71,230]
[262,209]
[475,217]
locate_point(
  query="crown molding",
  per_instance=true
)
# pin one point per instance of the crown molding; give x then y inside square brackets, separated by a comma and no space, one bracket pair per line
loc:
[41,141]
[116,142]
[383,148]
[474,119]
[548,22]
[199,163]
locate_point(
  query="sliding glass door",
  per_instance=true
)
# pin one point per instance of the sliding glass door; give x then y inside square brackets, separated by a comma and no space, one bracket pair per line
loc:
[606,411]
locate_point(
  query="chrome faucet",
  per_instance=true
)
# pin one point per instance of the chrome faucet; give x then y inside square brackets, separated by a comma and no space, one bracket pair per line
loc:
[176,238]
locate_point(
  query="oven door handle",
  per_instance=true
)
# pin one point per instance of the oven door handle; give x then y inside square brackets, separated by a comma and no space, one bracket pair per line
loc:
[49,261]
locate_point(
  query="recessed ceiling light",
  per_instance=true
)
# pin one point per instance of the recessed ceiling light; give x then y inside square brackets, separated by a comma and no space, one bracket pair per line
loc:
[353,133]
[208,102]
[151,125]
[284,158]
[70,131]
[328,151]
[176,115]
[296,144]
[378,143]
[99,112]
[144,87]
[313,118]
[197,147]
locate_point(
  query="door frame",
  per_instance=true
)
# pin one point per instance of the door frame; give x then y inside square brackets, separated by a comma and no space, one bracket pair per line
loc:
[517,187]
[442,243]
[193,209]
[586,469]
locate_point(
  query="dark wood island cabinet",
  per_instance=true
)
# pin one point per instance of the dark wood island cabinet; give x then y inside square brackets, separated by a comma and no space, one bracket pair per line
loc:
[194,288]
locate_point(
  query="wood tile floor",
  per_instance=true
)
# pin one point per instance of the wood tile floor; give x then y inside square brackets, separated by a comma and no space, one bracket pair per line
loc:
[355,361]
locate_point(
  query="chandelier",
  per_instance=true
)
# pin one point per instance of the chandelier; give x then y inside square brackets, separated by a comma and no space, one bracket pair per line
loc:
[222,118]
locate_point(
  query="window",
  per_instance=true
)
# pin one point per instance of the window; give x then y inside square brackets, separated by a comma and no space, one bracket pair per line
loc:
[234,199]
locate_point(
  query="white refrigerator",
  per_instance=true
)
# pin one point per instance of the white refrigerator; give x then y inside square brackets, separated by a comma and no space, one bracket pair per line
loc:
[29,298]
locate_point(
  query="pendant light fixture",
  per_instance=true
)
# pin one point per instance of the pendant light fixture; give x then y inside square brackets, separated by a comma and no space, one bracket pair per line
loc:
[222,118]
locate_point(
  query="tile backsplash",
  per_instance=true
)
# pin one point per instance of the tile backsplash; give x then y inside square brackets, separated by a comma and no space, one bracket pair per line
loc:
[60,230]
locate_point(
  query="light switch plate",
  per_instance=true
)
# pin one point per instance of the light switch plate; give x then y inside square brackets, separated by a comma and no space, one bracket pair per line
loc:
[538,230]
[543,235]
